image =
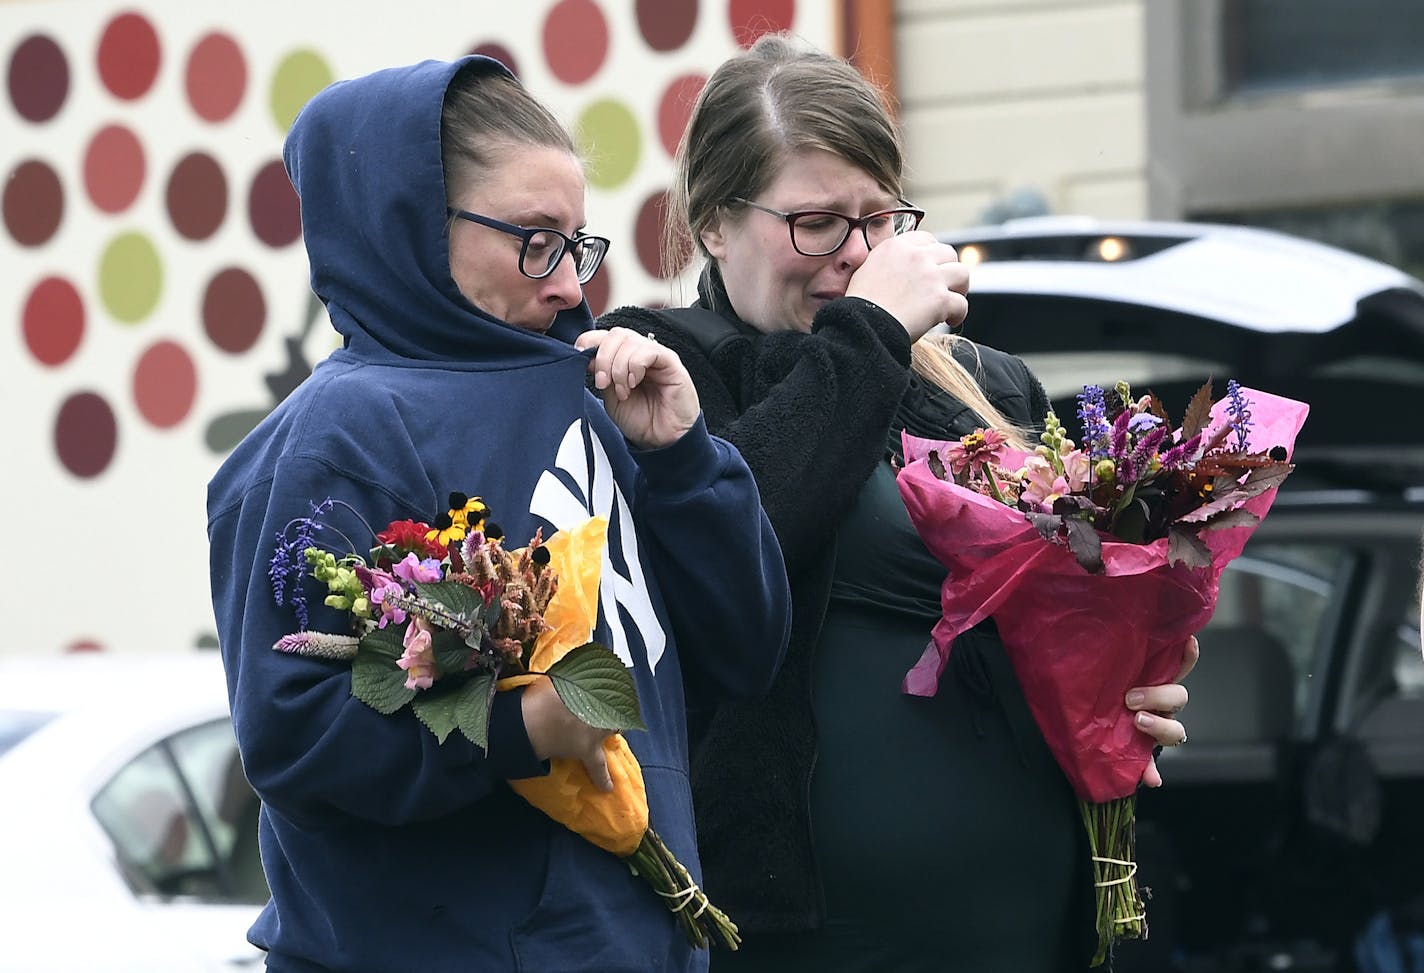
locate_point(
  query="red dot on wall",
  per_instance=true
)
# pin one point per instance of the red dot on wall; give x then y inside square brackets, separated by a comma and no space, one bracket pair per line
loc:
[33,203]
[749,19]
[575,40]
[197,196]
[85,434]
[128,56]
[648,233]
[234,310]
[53,321]
[38,78]
[675,108]
[666,24]
[113,168]
[273,207]
[597,290]
[216,77]
[165,382]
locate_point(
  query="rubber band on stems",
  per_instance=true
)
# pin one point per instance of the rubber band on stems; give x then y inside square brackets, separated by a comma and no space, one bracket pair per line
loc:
[1120,912]
[688,896]
[672,881]
[1130,866]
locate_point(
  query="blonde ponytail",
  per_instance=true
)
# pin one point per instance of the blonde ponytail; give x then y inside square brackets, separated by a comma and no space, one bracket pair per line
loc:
[932,358]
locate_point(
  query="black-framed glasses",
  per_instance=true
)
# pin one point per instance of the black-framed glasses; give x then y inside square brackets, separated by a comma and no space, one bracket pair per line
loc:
[542,247]
[819,233]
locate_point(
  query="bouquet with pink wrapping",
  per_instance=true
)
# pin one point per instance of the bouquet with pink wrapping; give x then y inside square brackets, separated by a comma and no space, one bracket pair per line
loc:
[1096,563]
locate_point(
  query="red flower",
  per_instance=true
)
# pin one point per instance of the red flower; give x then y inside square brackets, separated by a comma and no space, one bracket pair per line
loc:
[408,536]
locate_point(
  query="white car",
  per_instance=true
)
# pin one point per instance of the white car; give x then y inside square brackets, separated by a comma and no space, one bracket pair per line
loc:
[127,831]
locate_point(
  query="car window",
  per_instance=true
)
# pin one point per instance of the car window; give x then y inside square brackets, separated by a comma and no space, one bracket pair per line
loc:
[15,725]
[1285,590]
[183,819]
[208,758]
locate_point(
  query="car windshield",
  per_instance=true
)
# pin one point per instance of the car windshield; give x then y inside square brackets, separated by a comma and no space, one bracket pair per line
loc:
[15,725]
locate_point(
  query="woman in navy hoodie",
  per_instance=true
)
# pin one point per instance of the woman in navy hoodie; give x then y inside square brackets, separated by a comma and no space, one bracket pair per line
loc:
[466,354]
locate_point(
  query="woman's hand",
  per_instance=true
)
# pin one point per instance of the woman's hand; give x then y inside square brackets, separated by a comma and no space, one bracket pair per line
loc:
[555,732]
[1156,707]
[917,279]
[646,389]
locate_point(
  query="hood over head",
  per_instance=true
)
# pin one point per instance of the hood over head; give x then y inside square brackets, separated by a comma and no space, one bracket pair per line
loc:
[364,157]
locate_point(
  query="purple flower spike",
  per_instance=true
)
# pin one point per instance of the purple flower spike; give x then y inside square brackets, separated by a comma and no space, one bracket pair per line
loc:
[1238,411]
[1093,413]
[288,564]
[1176,457]
[1117,440]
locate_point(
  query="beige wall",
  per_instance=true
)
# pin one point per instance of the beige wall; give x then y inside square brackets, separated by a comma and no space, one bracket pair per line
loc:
[1001,94]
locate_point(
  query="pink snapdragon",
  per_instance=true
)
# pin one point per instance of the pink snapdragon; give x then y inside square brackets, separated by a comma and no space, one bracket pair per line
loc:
[1043,483]
[418,660]
[385,596]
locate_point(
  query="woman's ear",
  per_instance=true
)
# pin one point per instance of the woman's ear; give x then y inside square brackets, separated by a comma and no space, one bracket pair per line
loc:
[713,240]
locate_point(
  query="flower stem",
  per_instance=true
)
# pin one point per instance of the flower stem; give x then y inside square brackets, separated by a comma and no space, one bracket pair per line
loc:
[993,484]
[698,917]
[1120,913]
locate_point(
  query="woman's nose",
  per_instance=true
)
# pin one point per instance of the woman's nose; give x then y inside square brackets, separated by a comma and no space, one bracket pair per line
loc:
[853,252]
[562,286]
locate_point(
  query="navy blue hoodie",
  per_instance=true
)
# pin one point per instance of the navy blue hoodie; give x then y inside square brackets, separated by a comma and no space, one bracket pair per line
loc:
[385,851]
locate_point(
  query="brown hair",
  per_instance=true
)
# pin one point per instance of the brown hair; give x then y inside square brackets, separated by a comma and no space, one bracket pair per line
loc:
[780,97]
[485,112]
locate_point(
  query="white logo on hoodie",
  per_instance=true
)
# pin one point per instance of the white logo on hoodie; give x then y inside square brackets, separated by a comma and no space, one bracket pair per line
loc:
[600,496]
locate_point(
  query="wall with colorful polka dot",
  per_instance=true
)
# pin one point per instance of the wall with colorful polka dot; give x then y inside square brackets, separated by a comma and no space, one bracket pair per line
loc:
[154,280]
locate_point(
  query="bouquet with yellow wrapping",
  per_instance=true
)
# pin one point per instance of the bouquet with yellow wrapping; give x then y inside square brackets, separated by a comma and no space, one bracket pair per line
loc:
[444,617]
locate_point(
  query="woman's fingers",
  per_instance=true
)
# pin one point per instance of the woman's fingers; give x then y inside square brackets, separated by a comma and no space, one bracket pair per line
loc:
[1156,706]
[596,763]
[1163,729]
[622,358]
[1167,700]
[1191,651]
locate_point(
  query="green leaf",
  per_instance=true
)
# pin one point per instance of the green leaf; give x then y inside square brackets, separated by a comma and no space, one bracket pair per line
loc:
[472,709]
[456,598]
[451,652]
[437,710]
[597,688]
[388,641]
[464,705]
[376,680]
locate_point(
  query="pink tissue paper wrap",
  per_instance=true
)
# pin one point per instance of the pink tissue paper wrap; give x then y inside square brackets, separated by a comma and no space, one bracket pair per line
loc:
[1078,641]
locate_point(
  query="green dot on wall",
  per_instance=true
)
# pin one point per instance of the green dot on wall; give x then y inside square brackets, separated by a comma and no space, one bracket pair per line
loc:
[300,75]
[130,277]
[609,139]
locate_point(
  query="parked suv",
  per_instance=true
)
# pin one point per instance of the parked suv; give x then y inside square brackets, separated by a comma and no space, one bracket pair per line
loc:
[1287,835]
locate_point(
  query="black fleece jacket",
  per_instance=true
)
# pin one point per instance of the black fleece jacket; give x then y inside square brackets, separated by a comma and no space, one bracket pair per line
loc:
[812,415]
